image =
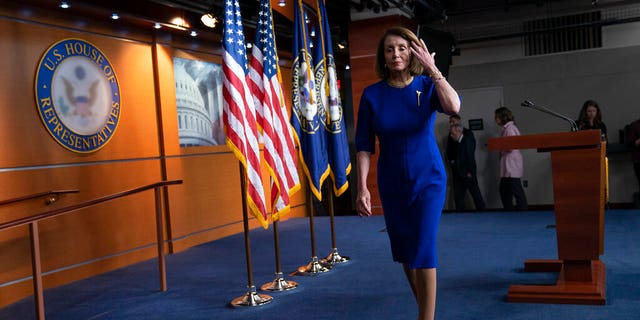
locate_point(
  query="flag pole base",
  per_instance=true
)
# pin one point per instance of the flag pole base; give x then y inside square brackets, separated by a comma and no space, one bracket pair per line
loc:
[251,299]
[279,284]
[313,268]
[334,258]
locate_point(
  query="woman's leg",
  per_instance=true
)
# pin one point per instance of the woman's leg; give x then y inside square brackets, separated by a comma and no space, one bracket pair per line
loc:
[411,276]
[518,193]
[423,285]
[459,191]
[476,194]
[505,194]
[426,292]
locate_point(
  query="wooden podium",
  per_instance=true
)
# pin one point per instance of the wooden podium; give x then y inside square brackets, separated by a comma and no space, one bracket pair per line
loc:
[578,167]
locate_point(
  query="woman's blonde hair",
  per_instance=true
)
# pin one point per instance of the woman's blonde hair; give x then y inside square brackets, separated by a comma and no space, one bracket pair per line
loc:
[382,71]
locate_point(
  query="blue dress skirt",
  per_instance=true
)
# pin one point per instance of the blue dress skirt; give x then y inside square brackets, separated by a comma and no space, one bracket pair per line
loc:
[411,175]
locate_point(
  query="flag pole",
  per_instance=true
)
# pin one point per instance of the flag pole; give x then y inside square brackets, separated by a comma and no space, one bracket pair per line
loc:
[334,257]
[314,267]
[251,298]
[279,283]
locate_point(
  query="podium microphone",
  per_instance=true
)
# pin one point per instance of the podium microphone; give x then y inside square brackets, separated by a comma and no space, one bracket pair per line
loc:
[529,104]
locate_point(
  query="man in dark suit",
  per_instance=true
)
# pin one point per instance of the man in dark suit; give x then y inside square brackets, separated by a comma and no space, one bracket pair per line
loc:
[461,148]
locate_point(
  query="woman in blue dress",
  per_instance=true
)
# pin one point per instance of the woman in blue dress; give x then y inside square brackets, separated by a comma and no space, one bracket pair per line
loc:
[400,110]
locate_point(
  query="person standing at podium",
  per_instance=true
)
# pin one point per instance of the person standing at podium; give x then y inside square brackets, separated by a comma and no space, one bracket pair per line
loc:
[400,110]
[511,165]
[590,118]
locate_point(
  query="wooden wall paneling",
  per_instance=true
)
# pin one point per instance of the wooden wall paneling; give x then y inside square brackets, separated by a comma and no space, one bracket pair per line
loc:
[84,235]
[137,133]
[208,206]
[24,130]
[16,260]
[287,10]
[92,233]
[15,292]
[209,199]
[167,100]
[25,182]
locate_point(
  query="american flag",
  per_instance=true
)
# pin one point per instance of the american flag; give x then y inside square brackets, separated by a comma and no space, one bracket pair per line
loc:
[271,114]
[238,109]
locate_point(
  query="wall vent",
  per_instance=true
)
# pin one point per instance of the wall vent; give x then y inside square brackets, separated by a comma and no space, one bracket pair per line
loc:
[563,33]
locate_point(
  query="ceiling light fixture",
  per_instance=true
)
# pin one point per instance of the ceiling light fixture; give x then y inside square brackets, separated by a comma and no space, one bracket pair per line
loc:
[115,16]
[193,33]
[157,26]
[64,5]
[282,3]
[180,23]
[341,44]
[173,26]
[209,20]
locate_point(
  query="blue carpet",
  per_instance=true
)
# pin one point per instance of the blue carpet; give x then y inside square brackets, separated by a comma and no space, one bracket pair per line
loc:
[480,256]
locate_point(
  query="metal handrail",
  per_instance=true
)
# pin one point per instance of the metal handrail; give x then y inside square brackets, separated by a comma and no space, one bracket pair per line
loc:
[32,221]
[59,211]
[52,193]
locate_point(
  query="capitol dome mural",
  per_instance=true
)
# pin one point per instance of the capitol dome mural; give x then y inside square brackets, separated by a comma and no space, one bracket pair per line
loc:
[199,102]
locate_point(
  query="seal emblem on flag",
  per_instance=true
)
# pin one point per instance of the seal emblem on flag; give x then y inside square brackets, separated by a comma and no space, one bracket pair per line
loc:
[77,95]
[305,106]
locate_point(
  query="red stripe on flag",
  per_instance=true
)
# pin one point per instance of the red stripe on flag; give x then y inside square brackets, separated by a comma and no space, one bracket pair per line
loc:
[267,94]
[243,136]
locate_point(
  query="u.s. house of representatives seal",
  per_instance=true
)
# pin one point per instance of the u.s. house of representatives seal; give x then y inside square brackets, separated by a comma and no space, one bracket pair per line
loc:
[77,95]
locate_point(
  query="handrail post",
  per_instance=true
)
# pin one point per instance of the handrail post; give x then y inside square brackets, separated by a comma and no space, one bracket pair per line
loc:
[37,270]
[160,235]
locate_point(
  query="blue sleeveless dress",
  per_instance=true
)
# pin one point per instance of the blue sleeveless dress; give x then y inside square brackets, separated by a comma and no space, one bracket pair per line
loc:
[411,174]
